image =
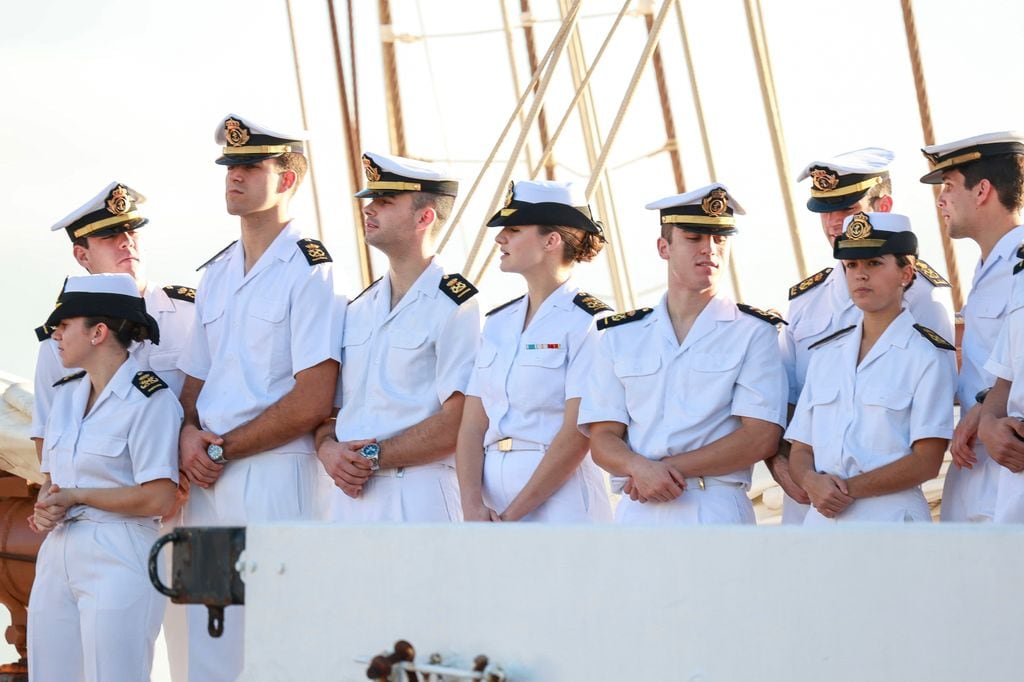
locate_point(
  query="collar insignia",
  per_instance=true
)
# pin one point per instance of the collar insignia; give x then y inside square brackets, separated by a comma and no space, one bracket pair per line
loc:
[823,179]
[859,227]
[715,203]
[236,133]
[119,202]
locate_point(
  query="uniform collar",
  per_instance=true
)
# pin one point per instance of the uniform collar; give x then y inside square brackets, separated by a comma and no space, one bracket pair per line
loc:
[283,248]
[120,384]
[427,284]
[897,334]
[720,308]
[157,300]
[561,298]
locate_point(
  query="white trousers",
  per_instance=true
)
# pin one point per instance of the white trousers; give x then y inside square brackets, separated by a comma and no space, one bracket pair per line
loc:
[421,494]
[268,487]
[695,507]
[1009,497]
[793,512]
[582,499]
[969,495]
[93,614]
[905,506]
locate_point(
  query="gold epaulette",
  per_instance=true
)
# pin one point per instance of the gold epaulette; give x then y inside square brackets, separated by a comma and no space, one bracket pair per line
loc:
[457,288]
[809,283]
[148,383]
[180,293]
[935,339]
[623,318]
[591,304]
[770,316]
[314,251]
[929,273]
[69,377]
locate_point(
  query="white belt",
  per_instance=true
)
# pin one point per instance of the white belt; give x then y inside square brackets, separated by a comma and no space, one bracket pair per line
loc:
[400,472]
[510,444]
[704,482]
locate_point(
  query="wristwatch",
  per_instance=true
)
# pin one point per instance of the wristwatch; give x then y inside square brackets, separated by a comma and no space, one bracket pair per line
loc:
[980,396]
[216,454]
[371,451]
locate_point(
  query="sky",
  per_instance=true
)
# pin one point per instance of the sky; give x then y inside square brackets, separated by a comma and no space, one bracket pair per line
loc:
[132,90]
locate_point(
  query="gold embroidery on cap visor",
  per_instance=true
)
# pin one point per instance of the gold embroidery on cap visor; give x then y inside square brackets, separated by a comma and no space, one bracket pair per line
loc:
[106,222]
[953,160]
[120,201]
[849,189]
[261,149]
[372,172]
[715,203]
[824,180]
[723,222]
[235,133]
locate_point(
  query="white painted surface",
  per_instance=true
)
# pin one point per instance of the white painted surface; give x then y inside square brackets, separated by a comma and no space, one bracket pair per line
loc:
[607,603]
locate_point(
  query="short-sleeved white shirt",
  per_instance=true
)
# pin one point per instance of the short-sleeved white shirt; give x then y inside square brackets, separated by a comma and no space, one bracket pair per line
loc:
[173,316]
[129,437]
[524,376]
[827,307]
[860,417]
[674,398]
[255,331]
[399,365]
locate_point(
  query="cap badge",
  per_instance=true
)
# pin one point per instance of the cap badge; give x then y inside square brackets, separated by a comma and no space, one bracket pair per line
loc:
[859,227]
[119,202]
[236,133]
[371,170]
[508,197]
[824,180]
[715,203]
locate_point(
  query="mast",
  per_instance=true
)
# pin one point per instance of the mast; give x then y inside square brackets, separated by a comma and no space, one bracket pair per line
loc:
[396,124]
[925,112]
[531,52]
[350,123]
[771,111]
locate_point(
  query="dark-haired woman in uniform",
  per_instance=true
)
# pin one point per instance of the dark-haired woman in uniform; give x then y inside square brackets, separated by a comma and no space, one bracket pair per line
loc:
[110,461]
[520,455]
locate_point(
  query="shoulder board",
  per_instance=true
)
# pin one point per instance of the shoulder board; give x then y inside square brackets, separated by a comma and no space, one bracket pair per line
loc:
[1020,252]
[457,288]
[372,284]
[180,293]
[1018,267]
[835,335]
[314,251]
[216,256]
[809,283]
[929,273]
[623,318]
[935,339]
[504,305]
[769,316]
[591,304]
[43,333]
[148,382]
[70,377]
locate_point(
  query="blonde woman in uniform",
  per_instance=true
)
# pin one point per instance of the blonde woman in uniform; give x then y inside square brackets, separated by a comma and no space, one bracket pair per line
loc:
[111,464]
[876,411]
[520,456]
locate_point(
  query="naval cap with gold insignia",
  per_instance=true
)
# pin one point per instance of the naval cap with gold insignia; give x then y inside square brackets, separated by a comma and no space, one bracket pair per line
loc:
[544,202]
[708,210]
[387,175]
[245,141]
[108,295]
[944,157]
[841,181]
[113,210]
[866,235]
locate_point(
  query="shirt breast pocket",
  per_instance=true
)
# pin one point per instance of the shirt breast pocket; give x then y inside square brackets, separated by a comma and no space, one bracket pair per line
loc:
[354,343]
[411,361]
[886,422]
[541,376]
[822,399]
[639,378]
[267,328]
[710,381]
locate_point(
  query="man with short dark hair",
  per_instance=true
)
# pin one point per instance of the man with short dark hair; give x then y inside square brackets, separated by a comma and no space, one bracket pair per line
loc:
[409,345]
[262,364]
[982,194]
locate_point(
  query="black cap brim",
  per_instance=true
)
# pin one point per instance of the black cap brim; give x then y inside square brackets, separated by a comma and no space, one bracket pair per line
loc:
[118,306]
[816,205]
[701,229]
[128,226]
[243,159]
[895,243]
[543,213]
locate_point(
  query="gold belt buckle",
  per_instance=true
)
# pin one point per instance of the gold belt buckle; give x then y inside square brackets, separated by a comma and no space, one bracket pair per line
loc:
[700,482]
[505,445]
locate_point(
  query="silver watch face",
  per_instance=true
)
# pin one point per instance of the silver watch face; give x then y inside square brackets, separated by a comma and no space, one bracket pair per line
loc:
[370,450]
[215,452]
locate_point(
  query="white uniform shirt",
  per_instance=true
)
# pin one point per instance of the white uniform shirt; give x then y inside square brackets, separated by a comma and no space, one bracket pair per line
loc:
[399,365]
[827,308]
[255,331]
[674,398]
[523,377]
[173,316]
[128,438]
[860,417]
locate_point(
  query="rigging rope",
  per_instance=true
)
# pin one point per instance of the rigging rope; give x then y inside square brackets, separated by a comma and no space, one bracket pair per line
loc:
[531,53]
[396,126]
[924,110]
